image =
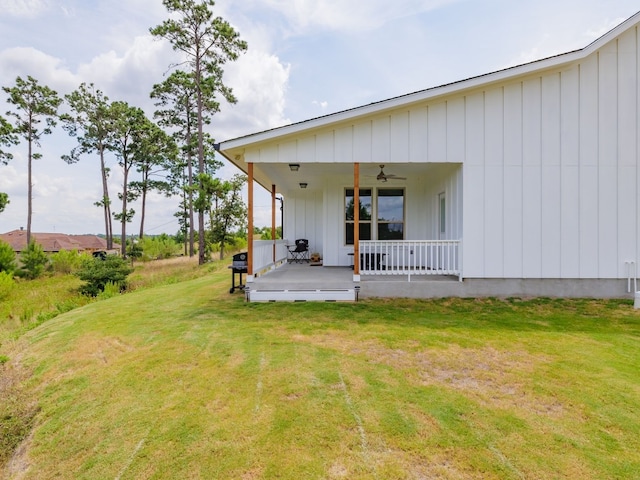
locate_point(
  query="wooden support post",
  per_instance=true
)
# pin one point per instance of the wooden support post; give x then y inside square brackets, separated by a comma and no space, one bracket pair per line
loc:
[356,220]
[250,221]
[273,220]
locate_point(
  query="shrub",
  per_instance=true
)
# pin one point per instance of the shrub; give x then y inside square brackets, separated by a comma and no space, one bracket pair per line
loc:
[27,315]
[68,305]
[6,284]
[111,289]
[156,248]
[66,261]
[96,273]
[7,258]
[33,261]
[134,249]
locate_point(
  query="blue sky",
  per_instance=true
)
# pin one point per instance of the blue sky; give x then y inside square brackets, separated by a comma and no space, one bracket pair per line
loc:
[306,58]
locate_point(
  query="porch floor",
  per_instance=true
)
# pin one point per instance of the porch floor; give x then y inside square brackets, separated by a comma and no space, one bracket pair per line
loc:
[304,282]
[304,275]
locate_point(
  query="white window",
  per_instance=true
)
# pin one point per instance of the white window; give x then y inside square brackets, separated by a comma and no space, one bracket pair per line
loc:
[385,223]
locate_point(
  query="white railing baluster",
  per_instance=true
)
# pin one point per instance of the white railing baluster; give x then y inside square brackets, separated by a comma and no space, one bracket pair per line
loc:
[410,257]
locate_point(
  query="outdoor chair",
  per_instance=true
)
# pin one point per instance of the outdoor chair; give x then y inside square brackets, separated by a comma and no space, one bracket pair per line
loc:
[299,252]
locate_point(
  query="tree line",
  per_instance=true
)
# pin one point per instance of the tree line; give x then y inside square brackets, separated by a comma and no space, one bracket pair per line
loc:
[170,153]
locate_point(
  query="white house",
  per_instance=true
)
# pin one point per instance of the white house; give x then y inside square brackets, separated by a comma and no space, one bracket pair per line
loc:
[524,181]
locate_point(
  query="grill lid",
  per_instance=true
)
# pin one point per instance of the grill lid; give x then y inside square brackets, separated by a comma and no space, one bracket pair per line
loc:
[239,260]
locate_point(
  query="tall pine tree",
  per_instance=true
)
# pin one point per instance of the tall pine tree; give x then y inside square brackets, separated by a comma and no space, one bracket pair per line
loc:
[33,103]
[207,43]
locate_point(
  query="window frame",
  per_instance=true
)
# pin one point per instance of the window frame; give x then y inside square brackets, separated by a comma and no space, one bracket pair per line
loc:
[390,222]
[361,221]
[373,222]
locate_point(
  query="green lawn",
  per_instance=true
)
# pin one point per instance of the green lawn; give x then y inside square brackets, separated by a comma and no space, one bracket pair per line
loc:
[187,381]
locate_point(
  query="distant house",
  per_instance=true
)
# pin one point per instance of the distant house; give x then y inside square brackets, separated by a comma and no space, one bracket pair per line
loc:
[54,242]
[521,181]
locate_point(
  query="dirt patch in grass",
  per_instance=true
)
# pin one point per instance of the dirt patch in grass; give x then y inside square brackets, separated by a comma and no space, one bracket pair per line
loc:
[490,376]
[494,377]
[337,470]
[17,415]
[439,467]
[104,350]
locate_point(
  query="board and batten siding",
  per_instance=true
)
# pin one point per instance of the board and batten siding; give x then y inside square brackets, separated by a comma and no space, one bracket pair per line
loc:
[546,175]
[431,133]
[303,218]
[551,178]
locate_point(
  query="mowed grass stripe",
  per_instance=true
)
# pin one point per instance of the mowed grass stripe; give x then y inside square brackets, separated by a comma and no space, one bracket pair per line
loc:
[187,381]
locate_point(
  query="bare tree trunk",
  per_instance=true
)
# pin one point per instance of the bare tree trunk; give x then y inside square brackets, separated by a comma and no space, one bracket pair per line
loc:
[30,192]
[145,179]
[222,242]
[185,212]
[192,231]
[184,217]
[144,201]
[201,240]
[106,202]
[123,237]
[192,239]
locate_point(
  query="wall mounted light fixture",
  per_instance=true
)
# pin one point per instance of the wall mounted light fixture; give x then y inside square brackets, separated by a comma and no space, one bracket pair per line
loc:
[294,167]
[303,185]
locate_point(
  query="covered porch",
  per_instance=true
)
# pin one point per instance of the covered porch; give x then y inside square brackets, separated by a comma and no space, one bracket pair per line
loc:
[363,200]
[387,268]
[420,202]
[302,282]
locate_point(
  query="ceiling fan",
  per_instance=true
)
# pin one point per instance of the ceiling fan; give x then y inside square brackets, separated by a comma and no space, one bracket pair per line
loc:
[383,177]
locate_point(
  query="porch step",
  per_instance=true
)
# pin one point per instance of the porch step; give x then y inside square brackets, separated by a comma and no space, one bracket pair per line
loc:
[303,295]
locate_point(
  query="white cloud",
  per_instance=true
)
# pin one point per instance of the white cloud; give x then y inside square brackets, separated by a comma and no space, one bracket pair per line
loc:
[130,75]
[24,61]
[11,181]
[259,82]
[323,105]
[347,15]
[24,8]
[555,41]
[605,27]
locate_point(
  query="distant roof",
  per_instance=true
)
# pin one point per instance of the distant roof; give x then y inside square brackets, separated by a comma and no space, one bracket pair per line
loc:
[54,242]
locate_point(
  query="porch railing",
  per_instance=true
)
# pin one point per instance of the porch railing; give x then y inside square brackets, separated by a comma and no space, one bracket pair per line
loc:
[263,254]
[410,257]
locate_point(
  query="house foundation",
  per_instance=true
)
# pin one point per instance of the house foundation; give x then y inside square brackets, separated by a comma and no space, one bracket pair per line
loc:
[501,288]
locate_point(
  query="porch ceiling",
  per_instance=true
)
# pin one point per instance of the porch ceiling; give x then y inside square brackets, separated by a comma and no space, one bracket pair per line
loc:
[315,175]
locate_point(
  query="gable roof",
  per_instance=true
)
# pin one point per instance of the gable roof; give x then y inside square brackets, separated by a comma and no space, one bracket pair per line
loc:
[427,94]
[54,242]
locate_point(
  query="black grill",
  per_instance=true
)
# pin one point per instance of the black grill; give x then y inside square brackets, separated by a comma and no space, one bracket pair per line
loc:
[238,266]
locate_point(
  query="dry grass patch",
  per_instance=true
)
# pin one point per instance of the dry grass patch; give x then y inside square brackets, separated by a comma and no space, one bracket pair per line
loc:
[18,410]
[486,373]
